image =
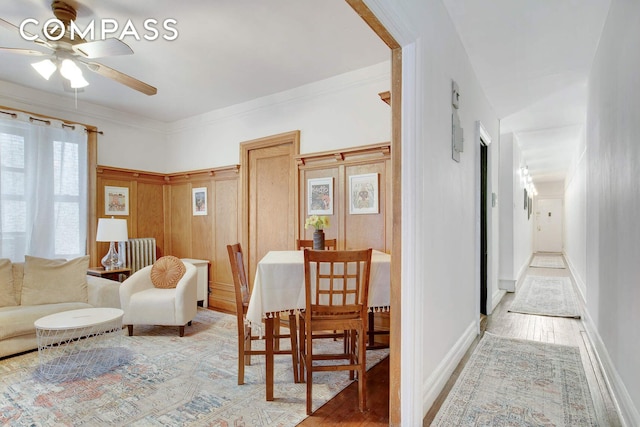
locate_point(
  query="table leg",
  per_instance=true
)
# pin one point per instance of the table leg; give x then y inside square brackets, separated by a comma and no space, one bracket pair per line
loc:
[269,356]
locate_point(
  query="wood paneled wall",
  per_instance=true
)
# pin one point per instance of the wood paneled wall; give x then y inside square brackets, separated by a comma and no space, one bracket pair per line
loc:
[161,206]
[352,231]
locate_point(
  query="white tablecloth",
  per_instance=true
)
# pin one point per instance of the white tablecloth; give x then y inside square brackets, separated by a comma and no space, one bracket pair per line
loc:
[279,283]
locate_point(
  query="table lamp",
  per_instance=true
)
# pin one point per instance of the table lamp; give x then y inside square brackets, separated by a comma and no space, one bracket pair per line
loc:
[111,230]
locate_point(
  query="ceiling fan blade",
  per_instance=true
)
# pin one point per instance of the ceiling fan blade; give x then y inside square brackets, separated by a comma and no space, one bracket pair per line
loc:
[30,52]
[102,48]
[120,77]
[9,26]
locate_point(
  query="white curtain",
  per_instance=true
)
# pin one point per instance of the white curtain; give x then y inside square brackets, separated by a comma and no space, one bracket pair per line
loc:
[43,188]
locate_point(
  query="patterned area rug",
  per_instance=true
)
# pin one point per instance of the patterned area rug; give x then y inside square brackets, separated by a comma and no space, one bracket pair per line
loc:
[511,382]
[546,296]
[165,380]
[547,261]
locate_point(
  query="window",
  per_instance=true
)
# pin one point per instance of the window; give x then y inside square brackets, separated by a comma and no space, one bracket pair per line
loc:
[43,190]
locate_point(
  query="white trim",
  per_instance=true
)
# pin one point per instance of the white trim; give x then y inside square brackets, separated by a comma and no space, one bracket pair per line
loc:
[482,134]
[629,415]
[434,385]
[412,369]
[497,298]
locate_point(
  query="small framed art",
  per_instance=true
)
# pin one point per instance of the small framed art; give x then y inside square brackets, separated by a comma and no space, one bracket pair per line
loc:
[199,201]
[363,194]
[320,196]
[116,200]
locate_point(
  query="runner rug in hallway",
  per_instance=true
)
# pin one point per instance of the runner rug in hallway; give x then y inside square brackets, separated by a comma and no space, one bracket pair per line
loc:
[546,296]
[512,382]
[166,380]
[547,261]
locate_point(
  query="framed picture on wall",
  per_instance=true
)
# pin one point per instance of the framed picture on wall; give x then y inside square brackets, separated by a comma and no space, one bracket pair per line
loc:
[320,196]
[199,201]
[116,200]
[363,194]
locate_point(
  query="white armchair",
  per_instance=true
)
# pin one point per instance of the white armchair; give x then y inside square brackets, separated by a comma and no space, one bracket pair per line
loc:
[144,304]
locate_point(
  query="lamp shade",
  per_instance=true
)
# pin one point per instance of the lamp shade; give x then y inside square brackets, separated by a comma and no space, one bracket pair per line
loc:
[112,230]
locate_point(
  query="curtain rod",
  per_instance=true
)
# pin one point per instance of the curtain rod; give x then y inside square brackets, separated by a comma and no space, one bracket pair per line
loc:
[13,115]
[48,122]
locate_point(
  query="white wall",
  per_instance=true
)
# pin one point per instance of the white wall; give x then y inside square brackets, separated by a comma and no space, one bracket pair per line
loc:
[339,112]
[575,217]
[440,303]
[516,229]
[132,142]
[613,203]
[343,111]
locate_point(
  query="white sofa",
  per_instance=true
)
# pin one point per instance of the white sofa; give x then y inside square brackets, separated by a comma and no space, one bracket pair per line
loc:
[17,332]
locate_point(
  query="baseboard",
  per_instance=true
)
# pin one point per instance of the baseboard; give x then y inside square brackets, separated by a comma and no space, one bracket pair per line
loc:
[508,285]
[629,415]
[438,380]
[496,299]
[579,283]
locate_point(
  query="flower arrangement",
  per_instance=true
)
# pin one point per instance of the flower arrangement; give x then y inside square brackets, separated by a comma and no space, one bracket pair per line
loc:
[318,222]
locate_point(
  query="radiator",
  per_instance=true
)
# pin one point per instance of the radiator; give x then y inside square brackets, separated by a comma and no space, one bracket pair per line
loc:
[138,253]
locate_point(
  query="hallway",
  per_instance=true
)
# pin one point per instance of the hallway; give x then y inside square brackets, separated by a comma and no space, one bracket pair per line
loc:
[556,330]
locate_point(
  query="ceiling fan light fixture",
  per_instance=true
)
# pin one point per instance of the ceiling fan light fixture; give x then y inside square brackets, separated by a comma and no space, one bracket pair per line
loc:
[45,68]
[79,82]
[70,71]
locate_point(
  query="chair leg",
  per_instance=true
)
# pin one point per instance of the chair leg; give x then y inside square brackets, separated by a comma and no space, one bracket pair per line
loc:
[241,361]
[181,328]
[130,330]
[362,370]
[309,365]
[294,346]
[302,348]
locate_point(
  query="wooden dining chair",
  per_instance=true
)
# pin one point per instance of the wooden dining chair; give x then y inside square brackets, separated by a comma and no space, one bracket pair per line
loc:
[329,244]
[245,337]
[336,295]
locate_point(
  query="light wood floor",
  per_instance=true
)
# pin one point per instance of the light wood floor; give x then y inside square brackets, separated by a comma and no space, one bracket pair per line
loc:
[546,329]
[343,408]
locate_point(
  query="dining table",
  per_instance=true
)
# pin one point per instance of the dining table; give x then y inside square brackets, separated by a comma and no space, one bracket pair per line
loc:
[279,287]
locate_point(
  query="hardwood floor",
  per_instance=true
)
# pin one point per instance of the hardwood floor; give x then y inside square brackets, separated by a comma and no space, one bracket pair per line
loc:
[343,409]
[546,329]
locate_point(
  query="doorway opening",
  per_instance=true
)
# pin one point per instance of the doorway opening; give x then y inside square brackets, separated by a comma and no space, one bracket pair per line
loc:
[483,227]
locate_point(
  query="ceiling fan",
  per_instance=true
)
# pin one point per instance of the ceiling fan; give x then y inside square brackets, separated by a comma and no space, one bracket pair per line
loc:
[68,51]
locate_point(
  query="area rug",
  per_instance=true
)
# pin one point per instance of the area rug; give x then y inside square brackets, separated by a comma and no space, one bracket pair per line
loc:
[546,296]
[165,380]
[512,382]
[547,261]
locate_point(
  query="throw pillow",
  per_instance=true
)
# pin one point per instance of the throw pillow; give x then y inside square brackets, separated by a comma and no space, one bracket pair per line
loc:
[7,293]
[48,281]
[167,272]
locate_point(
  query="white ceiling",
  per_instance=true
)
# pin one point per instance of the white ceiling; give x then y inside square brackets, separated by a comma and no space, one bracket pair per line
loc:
[532,58]
[227,52]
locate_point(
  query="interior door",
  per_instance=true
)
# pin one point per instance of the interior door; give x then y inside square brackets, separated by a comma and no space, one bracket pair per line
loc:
[271,197]
[549,225]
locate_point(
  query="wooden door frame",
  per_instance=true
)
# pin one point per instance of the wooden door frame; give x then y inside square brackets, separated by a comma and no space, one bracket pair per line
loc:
[243,202]
[396,207]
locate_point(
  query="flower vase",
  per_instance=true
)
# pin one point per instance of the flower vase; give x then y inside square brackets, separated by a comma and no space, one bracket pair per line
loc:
[318,240]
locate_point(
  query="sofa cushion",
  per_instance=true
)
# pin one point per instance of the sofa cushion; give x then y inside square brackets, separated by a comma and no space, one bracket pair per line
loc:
[48,281]
[167,272]
[17,321]
[7,292]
